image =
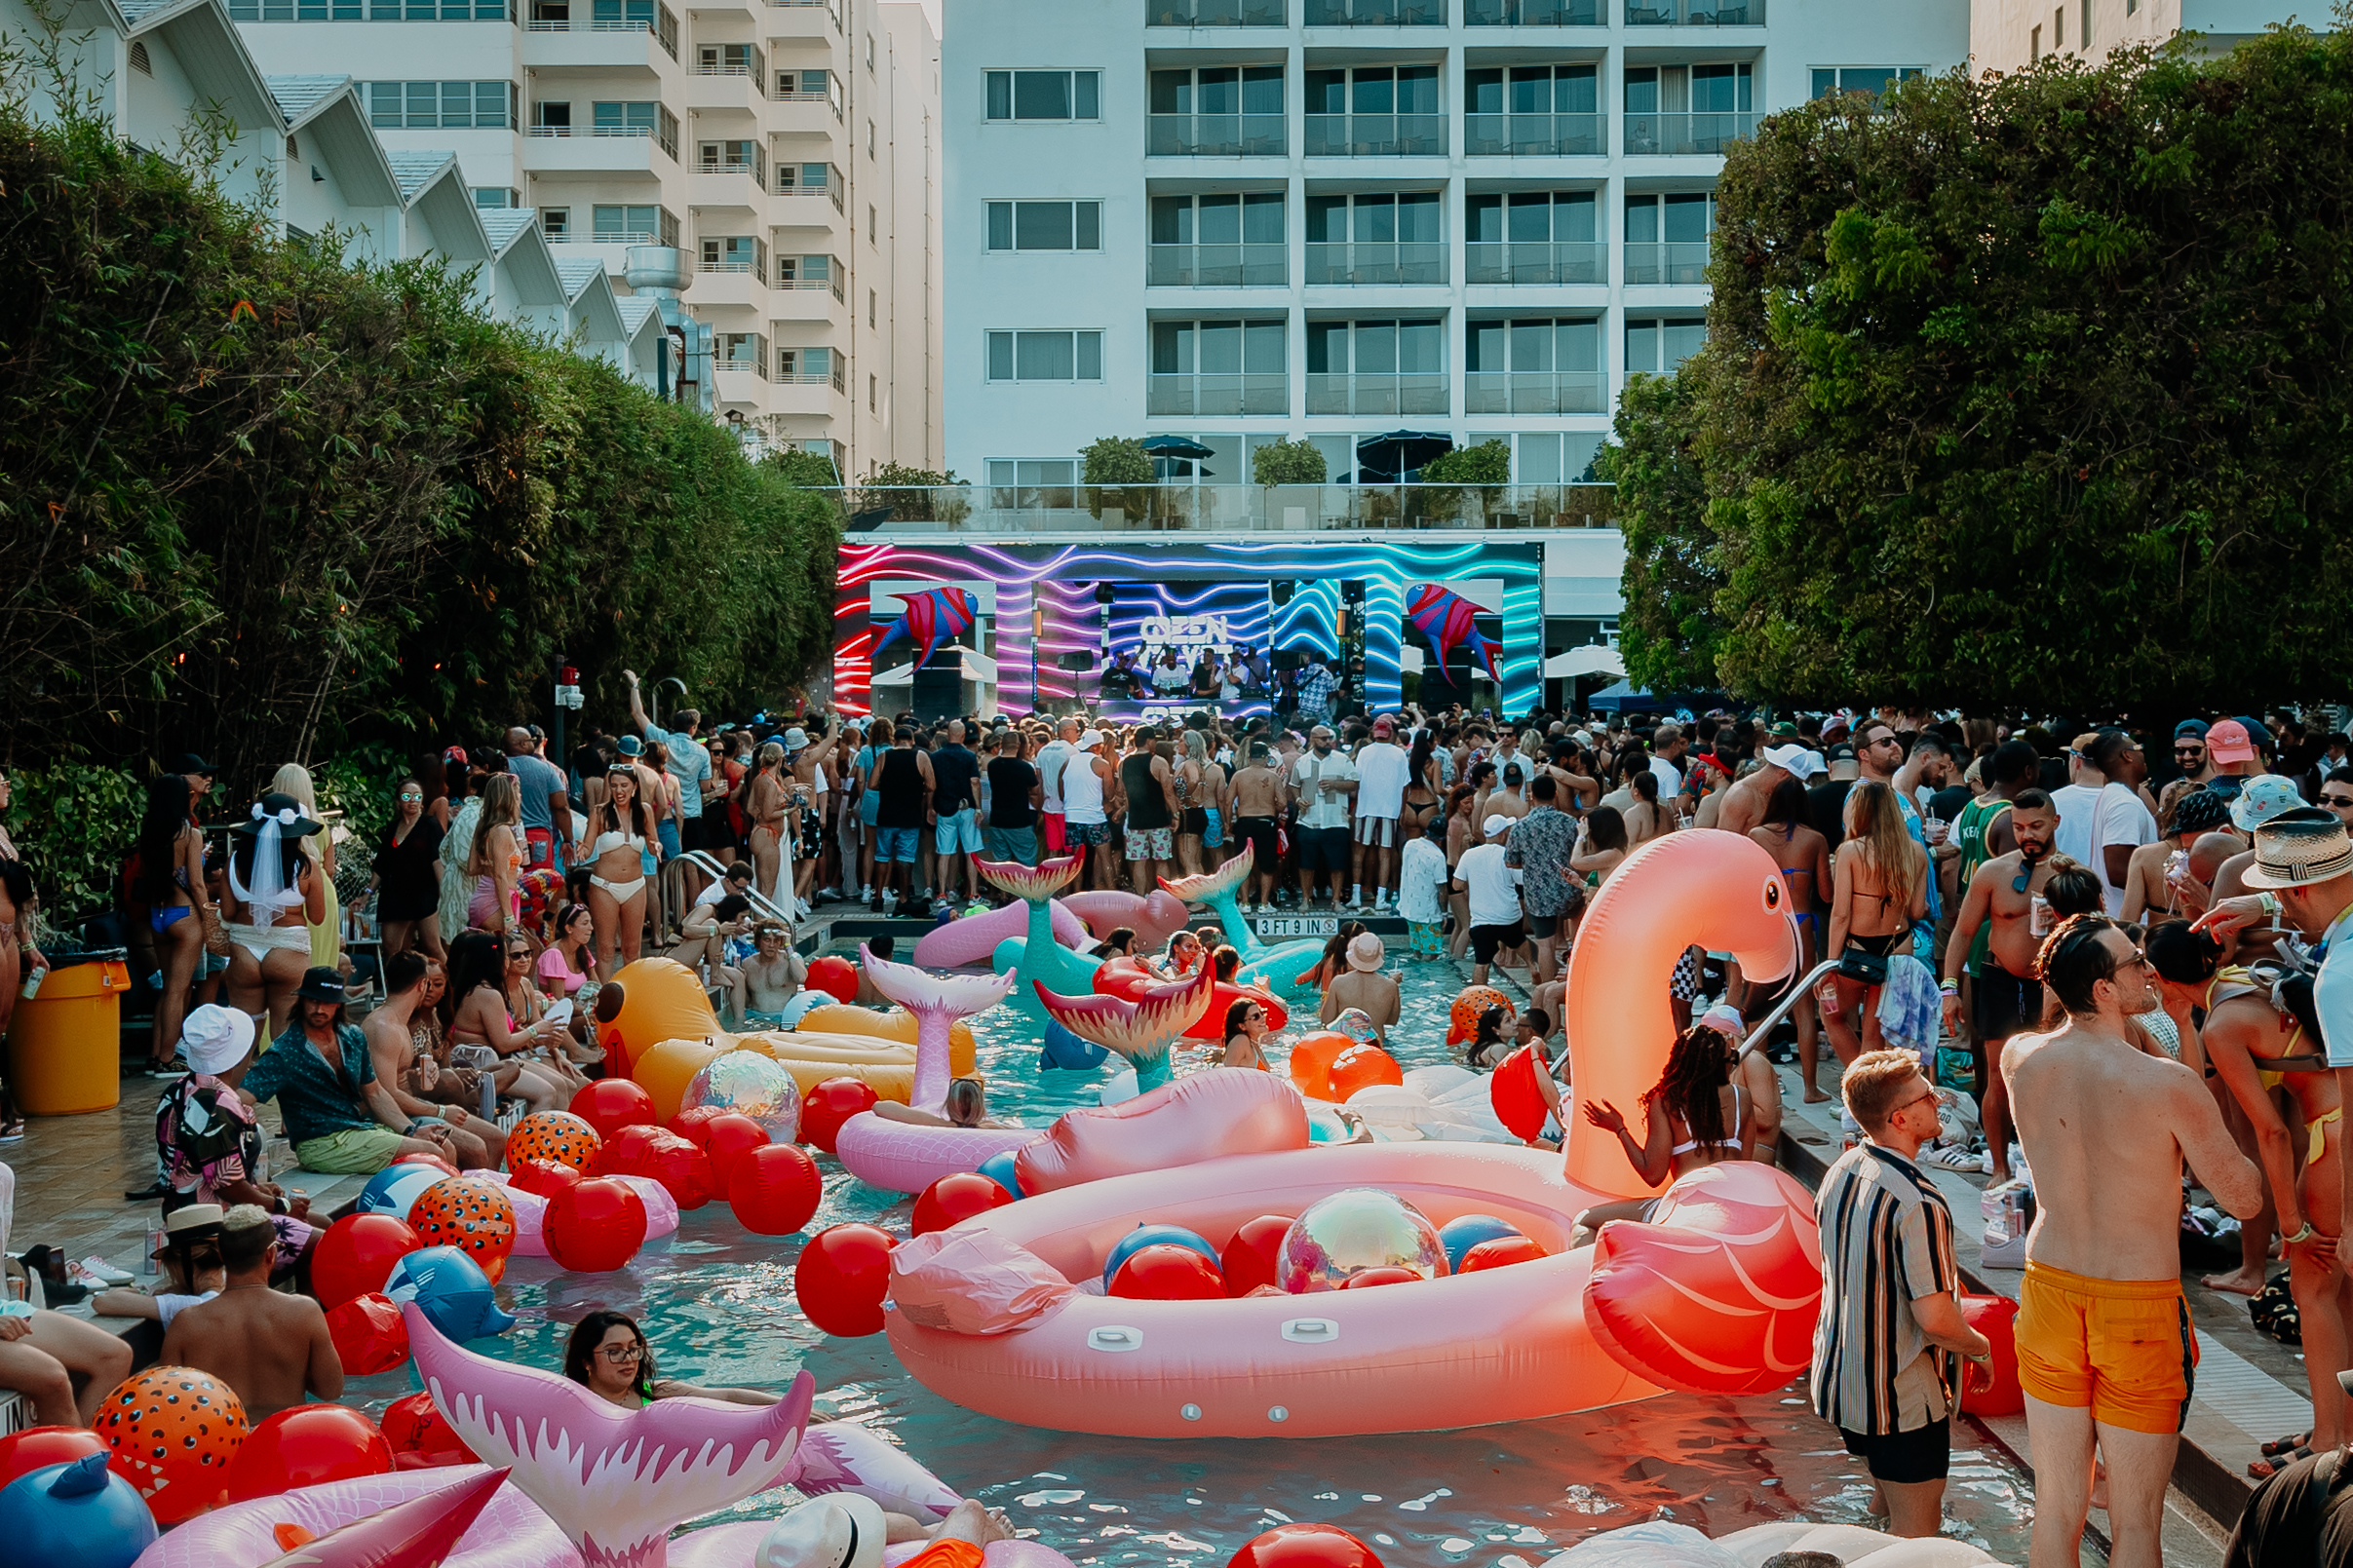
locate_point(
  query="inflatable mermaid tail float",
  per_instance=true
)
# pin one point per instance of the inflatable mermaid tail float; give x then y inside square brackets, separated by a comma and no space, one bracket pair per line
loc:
[1037,957]
[1274,968]
[898,1157]
[1141,1030]
[938,1002]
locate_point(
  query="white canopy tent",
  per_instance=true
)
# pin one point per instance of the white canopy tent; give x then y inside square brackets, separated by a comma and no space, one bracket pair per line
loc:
[1595,658]
[977,667]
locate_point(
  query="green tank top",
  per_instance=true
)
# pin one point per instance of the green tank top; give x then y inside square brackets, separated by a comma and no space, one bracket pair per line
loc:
[1969,832]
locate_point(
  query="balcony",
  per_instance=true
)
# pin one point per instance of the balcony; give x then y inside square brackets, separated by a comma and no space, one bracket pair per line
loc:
[805,114]
[803,19]
[1532,135]
[604,150]
[1668,262]
[1536,261]
[1418,394]
[1377,13]
[1217,266]
[1215,135]
[797,205]
[1538,392]
[805,300]
[1376,261]
[723,89]
[1221,508]
[584,47]
[1694,14]
[802,393]
[1214,13]
[1219,395]
[1709,132]
[1533,14]
[1376,136]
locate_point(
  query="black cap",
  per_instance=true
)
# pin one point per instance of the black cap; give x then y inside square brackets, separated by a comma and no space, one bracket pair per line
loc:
[1842,753]
[190,762]
[322,984]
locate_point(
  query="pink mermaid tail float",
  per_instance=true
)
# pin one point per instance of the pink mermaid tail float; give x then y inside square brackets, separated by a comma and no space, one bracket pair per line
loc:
[899,1156]
[971,938]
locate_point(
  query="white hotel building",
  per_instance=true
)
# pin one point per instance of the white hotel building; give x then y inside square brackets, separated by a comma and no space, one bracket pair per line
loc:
[1238,220]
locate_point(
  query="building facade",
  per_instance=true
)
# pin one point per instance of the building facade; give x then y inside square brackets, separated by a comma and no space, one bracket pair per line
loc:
[1237,220]
[770,143]
[2010,35]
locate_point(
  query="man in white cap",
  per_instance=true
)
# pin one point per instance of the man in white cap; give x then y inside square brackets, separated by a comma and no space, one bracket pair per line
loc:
[847,1530]
[1493,889]
[1744,804]
[1086,825]
[2303,871]
[208,1141]
[1364,985]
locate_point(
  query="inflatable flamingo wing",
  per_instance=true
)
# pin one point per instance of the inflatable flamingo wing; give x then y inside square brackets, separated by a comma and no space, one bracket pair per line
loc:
[1718,1292]
[938,1002]
[1703,888]
[1154,918]
[615,1481]
[1203,1116]
[420,1533]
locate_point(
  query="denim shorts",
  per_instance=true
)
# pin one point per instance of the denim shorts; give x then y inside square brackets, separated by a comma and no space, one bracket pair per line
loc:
[895,843]
[957,830]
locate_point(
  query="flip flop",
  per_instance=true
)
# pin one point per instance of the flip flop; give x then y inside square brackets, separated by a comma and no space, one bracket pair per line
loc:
[2285,1445]
[2262,1469]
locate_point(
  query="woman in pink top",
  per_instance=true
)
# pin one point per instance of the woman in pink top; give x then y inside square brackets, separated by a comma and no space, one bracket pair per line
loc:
[567,964]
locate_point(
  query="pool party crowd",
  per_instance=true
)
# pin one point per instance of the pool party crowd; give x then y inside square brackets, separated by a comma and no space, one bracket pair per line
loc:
[2067,959]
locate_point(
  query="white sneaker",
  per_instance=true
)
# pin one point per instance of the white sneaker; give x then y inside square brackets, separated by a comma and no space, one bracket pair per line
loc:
[104,1272]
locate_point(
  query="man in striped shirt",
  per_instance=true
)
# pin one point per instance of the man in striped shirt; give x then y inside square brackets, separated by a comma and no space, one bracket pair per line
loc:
[1886,1343]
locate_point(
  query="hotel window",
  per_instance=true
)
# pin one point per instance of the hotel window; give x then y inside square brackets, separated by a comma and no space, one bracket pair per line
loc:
[1655,346]
[440,105]
[1201,242]
[1031,474]
[1533,237]
[1215,111]
[370,11]
[1044,94]
[1830,80]
[1541,366]
[633,225]
[1667,238]
[1045,356]
[1044,225]
[556,222]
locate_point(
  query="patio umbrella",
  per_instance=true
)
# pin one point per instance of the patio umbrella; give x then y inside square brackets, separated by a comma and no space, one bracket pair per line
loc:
[1173,456]
[1388,458]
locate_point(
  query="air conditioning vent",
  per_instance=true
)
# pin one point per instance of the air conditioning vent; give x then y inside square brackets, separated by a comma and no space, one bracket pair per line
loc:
[139,58]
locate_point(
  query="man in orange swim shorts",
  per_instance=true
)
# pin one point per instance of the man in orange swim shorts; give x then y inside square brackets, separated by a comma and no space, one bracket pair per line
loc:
[2106,1351]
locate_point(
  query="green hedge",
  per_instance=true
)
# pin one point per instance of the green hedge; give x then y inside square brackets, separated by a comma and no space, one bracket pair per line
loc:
[267,504]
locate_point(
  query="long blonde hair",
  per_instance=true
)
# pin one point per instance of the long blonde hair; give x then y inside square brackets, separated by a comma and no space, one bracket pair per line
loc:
[1875,826]
[502,807]
[295,780]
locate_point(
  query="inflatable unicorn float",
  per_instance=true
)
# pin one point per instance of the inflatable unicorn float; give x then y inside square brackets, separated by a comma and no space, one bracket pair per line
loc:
[586,1485]
[1714,1291]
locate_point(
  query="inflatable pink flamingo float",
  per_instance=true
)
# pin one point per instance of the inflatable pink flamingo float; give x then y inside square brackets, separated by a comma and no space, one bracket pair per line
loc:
[899,1157]
[1718,1292]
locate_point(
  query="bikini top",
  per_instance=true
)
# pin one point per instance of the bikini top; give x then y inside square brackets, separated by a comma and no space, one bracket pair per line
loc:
[1739,1113]
[612,838]
[2234,980]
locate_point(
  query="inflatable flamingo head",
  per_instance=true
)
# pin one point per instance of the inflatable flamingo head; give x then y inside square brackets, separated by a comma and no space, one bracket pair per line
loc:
[1032,884]
[616,1482]
[1703,888]
[1213,885]
[958,996]
[1138,1030]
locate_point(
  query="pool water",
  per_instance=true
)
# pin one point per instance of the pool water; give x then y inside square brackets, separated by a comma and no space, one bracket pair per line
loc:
[718,1305]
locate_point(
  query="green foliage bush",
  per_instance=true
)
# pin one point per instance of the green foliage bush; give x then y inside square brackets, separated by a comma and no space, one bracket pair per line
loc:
[811,471]
[1286,462]
[1116,460]
[1488,463]
[269,505]
[2019,390]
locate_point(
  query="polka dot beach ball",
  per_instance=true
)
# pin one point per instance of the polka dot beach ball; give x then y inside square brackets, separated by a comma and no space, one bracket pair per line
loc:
[552,1138]
[1462,1023]
[473,1215]
[173,1431]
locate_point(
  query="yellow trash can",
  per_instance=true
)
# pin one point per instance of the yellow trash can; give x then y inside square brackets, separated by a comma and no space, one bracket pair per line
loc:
[64,1047]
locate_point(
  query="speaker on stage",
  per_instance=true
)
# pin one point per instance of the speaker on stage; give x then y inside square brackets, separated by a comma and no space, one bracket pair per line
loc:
[1104,593]
[1074,661]
[1282,590]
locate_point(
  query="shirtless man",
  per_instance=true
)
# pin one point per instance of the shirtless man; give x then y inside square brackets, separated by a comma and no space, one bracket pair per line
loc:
[2147,886]
[474,1144]
[272,1347]
[2104,1347]
[2006,999]
[703,946]
[1254,805]
[1744,803]
[774,973]
[1364,985]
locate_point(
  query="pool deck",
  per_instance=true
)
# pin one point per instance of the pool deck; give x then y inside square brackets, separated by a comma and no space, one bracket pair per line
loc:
[72,1173]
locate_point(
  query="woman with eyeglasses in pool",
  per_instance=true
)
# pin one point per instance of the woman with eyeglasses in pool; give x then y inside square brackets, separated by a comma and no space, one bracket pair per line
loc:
[608,1356]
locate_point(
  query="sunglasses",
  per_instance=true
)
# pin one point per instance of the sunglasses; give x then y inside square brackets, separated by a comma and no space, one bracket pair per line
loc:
[2188,750]
[2336,802]
[411,795]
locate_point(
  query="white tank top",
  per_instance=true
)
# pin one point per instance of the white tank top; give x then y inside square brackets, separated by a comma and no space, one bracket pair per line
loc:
[1082,790]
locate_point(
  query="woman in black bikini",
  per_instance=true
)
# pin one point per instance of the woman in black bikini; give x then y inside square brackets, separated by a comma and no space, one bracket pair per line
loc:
[1422,789]
[1695,1115]
[1881,888]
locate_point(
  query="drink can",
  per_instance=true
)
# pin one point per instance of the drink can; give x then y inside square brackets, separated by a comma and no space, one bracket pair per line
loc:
[2038,916]
[155,1244]
[32,982]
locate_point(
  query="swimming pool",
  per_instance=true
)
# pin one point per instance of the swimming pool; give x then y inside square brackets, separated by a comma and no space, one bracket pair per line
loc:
[718,1305]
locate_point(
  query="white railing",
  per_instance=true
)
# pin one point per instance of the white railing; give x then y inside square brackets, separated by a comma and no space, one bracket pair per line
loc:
[722,70]
[726,266]
[590,131]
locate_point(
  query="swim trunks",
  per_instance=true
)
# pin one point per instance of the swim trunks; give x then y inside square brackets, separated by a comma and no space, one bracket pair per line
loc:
[2122,1347]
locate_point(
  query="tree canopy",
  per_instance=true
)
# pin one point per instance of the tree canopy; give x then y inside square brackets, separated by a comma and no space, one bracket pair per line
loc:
[264,503]
[2020,390]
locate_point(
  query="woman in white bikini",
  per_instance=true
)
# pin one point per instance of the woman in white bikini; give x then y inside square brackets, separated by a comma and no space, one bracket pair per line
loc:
[1695,1115]
[619,833]
[494,859]
[276,895]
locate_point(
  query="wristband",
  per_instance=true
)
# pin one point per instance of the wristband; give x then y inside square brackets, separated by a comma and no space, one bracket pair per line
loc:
[2270,903]
[2305,1235]
[1950,987]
